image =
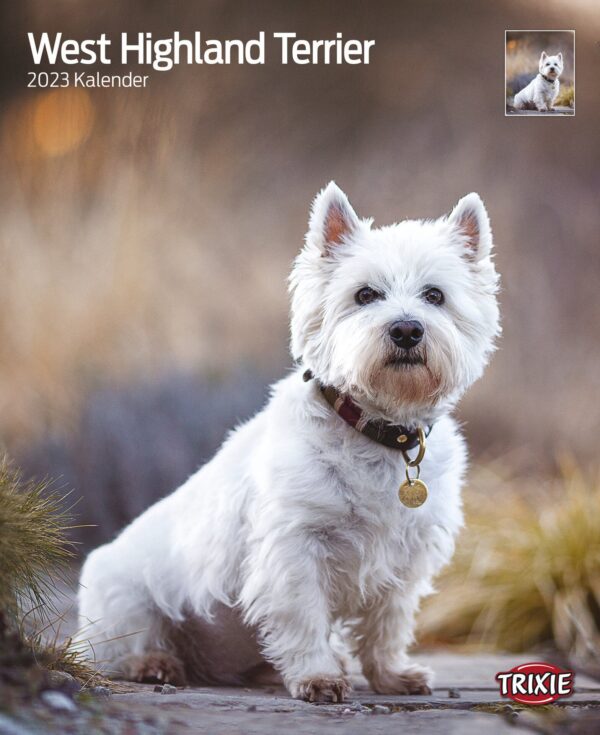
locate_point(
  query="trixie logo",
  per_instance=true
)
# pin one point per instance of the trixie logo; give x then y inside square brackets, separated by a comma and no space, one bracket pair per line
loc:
[536,683]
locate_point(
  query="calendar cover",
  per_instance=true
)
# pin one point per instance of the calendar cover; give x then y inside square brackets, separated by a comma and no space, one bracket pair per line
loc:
[299,359]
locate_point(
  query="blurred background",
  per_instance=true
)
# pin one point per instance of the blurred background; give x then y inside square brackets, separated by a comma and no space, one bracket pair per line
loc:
[523,51]
[146,236]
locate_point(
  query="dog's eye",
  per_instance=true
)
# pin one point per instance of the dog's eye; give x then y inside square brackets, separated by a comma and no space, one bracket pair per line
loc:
[367,295]
[433,296]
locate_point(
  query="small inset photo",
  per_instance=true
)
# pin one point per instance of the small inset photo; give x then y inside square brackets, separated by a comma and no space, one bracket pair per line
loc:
[539,73]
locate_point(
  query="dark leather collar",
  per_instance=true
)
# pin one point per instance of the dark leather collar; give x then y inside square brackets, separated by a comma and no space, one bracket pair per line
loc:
[390,435]
[551,81]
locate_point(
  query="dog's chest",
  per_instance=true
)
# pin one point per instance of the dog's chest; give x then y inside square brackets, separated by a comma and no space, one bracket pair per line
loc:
[363,486]
[545,90]
[367,536]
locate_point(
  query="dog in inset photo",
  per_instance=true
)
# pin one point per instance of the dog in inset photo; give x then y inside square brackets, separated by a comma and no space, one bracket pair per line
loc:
[539,73]
[541,93]
[335,506]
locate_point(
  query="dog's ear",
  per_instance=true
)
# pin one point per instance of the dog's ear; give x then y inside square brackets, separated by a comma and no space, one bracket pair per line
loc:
[470,220]
[543,57]
[332,219]
[560,56]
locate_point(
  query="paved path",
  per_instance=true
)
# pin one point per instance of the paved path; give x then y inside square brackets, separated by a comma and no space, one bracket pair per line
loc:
[557,111]
[465,701]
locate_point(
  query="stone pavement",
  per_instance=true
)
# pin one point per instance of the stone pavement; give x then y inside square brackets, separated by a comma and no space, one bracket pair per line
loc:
[465,701]
[556,111]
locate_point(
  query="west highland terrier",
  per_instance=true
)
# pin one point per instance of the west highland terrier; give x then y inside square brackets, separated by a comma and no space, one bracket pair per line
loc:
[541,93]
[312,516]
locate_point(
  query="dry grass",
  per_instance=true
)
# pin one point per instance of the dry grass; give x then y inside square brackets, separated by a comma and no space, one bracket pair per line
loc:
[128,267]
[530,560]
[566,96]
[56,653]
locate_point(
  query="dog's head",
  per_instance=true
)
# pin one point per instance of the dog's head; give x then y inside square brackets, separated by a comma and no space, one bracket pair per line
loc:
[551,66]
[403,316]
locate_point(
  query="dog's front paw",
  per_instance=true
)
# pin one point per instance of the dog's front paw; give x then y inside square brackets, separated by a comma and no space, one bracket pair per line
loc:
[321,689]
[413,679]
[154,667]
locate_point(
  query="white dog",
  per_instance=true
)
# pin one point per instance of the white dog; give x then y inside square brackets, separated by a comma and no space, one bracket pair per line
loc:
[296,526]
[541,93]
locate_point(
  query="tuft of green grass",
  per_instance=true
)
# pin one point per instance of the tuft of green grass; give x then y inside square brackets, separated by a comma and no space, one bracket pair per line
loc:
[34,554]
[527,569]
[34,549]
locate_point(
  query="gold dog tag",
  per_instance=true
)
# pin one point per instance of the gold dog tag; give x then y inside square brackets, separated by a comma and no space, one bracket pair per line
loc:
[413,493]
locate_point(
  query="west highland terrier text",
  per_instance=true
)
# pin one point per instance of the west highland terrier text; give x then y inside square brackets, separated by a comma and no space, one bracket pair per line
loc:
[163,54]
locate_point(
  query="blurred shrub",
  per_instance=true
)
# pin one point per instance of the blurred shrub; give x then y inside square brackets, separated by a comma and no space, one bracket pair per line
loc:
[527,570]
[136,443]
[515,84]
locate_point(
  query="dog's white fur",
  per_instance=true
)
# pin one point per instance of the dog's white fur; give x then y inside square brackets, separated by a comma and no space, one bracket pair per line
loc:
[295,523]
[540,94]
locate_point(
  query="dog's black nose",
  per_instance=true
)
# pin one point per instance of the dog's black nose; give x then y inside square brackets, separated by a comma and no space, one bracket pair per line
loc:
[406,334]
